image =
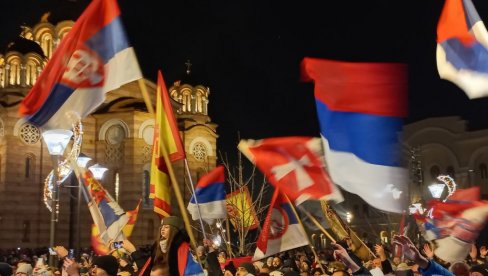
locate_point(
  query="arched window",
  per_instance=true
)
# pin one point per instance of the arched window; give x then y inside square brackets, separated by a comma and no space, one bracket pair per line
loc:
[14,75]
[28,166]
[435,171]
[47,44]
[146,182]
[26,229]
[450,171]
[483,171]
[117,186]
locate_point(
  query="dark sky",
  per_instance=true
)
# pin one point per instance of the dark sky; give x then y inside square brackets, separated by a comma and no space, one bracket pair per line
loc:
[248,53]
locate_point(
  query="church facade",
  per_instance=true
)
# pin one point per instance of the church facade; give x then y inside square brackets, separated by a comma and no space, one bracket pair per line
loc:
[117,136]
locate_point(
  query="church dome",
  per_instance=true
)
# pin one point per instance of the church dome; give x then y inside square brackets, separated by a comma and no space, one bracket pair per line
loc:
[25,46]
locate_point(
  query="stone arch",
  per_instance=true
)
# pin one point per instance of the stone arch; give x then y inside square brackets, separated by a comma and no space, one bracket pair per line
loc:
[442,162]
[13,68]
[204,142]
[44,35]
[113,122]
[146,130]
[33,69]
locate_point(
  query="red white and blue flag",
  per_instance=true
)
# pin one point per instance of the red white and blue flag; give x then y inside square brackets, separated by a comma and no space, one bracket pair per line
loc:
[208,202]
[281,230]
[360,108]
[462,42]
[94,58]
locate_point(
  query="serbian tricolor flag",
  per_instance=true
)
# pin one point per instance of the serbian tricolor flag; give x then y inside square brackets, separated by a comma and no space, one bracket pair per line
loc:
[95,57]
[281,230]
[167,135]
[294,165]
[360,108]
[462,41]
[208,202]
[187,264]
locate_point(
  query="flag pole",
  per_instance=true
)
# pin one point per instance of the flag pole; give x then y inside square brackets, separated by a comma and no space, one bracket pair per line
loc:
[314,220]
[145,95]
[179,197]
[196,200]
[308,239]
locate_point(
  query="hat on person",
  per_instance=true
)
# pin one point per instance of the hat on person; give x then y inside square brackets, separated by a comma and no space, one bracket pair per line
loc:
[173,221]
[249,267]
[24,268]
[5,269]
[276,273]
[108,263]
[483,269]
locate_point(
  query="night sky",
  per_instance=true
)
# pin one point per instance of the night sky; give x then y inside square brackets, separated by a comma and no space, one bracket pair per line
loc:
[248,53]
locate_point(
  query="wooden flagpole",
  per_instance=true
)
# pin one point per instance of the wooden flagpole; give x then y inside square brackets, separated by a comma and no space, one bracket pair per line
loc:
[314,220]
[145,95]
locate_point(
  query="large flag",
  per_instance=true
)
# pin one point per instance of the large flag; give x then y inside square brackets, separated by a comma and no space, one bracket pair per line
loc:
[294,165]
[95,57]
[107,215]
[166,135]
[455,223]
[208,202]
[281,229]
[462,54]
[241,210]
[360,108]
[98,245]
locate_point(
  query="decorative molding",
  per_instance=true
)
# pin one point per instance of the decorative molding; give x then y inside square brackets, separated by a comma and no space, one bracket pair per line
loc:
[113,122]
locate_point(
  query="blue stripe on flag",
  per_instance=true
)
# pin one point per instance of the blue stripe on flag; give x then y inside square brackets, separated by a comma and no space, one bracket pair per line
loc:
[473,57]
[289,212]
[372,138]
[210,193]
[108,213]
[110,40]
[192,267]
[58,95]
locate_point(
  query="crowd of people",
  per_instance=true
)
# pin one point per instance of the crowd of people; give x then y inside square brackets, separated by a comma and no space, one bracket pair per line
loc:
[167,257]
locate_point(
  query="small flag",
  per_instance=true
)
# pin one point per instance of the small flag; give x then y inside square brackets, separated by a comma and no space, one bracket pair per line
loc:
[281,229]
[187,264]
[129,227]
[94,58]
[462,42]
[210,196]
[166,135]
[293,165]
[360,108]
[240,209]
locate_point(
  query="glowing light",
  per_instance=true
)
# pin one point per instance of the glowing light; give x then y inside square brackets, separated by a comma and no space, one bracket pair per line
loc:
[436,190]
[57,140]
[98,171]
[348,217]
[218,224]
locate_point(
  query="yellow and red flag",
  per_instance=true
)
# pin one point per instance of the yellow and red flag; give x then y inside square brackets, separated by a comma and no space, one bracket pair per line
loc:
[97,243]
[240,210]
[127,230]
[166,135]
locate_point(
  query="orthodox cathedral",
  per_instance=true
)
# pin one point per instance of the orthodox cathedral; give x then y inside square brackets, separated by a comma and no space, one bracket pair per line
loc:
[117,136]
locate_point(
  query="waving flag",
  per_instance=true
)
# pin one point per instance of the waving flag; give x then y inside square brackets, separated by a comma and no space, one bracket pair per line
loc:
[166,135]
[107,215]
[129,227]
[94,58]
[187,264]
[462,42]
[360,106]
[209,197]
[293,164]
[240,209]
[281,229]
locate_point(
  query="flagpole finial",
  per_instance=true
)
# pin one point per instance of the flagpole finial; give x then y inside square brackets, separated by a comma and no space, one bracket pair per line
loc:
[188,67]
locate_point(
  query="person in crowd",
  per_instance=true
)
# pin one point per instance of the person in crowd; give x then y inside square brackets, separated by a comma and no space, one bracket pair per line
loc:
[23,269]
[479,270]
[5,269]
[157,270]
[230,269]
[211,260]
[459,269]
[277,264]
[246,269]
[101,266]
[341,254]
[384,264]
[426,267]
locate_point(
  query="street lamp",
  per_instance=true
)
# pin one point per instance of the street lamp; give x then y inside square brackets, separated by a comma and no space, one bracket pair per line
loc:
[348,217]
[97,171]
[436,190]
[56,141]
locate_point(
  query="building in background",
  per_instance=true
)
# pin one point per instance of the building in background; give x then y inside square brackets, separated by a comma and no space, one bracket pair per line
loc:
[117,136]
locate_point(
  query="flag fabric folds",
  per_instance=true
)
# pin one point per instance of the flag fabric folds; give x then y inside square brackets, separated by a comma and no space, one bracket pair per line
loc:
[209,197]
[241,210]
[107,215]
[281,229]
[360,108]
[462,48]
[95,57]
[166,135]
[294,165]
[187,264]
[98,245]
[132,214]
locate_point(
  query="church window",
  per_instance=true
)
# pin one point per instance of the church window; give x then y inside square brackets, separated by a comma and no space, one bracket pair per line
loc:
[47,44]
[117,186]
[26,229]
[14,76]
[199,151]
[29,134]
[483,171]
[28,166]
[146,178]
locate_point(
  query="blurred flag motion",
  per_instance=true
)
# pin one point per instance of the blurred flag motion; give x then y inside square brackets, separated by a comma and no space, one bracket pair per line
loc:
[292,164]
[462,42]
[240,209]
[360,108]
[167,135]
[209,197]
[94,58]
